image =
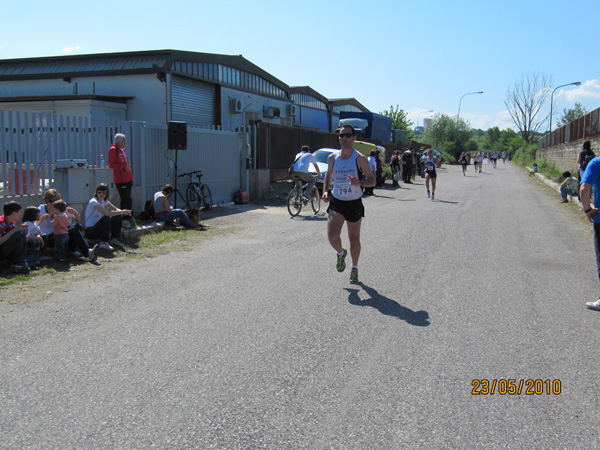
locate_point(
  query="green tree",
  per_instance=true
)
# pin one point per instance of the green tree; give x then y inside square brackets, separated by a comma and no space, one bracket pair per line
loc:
[569,115]
[399,121]
[493,135]
[445,133]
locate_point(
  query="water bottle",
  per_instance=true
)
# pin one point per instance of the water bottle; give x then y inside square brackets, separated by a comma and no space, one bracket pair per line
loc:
[102,161]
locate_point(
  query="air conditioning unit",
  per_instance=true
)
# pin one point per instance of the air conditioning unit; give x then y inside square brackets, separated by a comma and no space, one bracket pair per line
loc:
[268,111]
[235,105]
[291,110]
[71,163]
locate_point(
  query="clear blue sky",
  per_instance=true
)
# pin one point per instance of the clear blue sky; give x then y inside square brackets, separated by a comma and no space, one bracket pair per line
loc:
[417,55]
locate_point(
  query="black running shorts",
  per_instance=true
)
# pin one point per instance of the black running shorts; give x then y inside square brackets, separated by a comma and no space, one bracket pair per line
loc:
[352,210]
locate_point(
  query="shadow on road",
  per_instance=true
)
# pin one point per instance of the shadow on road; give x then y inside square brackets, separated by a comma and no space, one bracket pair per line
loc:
[317,217]
[387,306]
[445,201]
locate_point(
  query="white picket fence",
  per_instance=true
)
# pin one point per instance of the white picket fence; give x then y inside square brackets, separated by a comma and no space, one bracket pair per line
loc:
[30,143]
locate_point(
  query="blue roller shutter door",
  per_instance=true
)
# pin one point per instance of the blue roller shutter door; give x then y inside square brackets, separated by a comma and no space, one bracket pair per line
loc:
[193,102]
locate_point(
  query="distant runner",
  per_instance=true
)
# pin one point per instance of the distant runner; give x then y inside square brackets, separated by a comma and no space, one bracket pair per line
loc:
[430,174]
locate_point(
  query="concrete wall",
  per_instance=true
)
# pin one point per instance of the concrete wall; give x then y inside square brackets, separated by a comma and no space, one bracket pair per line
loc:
[259,183]
[564,156]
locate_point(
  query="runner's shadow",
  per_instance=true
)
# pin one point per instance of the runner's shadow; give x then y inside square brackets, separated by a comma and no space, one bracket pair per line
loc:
[387,306]
[445,201]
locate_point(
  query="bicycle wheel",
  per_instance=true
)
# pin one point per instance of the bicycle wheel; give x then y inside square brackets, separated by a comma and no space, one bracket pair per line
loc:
[315,200]
[192,197]
[207,197]
[294,202]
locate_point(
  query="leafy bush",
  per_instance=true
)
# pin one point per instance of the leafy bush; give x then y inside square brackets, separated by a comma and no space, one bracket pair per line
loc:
[525,156]
[447,158]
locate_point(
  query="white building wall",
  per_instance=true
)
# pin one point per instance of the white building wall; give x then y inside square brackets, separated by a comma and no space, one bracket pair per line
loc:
[148,104]
[250,102]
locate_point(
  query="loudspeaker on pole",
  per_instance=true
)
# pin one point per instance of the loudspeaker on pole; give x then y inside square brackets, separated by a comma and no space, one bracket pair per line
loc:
[177,135]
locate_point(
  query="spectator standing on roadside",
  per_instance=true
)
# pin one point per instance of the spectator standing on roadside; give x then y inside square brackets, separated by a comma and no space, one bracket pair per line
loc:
[591,178]
[372,160]
[379,168]
[119,162]
[407,165]
[396,170]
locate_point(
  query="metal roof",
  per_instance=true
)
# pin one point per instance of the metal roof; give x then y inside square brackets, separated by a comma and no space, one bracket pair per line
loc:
[100,64]
[347,101]
[39,98]
[307,90]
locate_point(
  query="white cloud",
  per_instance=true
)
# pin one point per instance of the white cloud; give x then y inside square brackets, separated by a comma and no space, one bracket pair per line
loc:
[71,49]
[587,91]
[503,120]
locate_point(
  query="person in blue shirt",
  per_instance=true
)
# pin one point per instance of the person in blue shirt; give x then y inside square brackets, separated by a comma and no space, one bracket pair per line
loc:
[591,178]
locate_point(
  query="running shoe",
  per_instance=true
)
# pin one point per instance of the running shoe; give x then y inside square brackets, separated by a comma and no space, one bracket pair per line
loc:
[116,243]
[341,261]
[93,253]
[432,196]
[593,305]
[354,275]
[20,269]
[105,246]
[428,194]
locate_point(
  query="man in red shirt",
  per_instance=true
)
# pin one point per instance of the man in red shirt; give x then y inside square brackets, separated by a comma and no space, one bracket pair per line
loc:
[12,238]
[119,162]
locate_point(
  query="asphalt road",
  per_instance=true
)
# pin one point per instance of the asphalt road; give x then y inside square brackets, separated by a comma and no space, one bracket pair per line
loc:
[252,340]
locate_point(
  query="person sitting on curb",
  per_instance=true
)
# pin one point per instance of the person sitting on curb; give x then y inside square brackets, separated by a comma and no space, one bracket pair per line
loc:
[76,239]
[568,187]
[534,170]
[13,243]
[104,220]
[165,212]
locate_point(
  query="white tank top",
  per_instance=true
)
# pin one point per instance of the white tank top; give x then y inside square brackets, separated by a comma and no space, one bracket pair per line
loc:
[342,189]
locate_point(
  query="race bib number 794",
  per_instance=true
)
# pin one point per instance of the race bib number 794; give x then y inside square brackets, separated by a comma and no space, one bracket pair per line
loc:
[344,188]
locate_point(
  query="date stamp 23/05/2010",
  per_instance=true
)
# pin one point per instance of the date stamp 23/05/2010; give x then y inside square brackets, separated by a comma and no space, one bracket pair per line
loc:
[509,386]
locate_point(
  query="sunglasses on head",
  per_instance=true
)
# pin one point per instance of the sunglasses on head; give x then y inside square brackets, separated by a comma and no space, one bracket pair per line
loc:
[346,135]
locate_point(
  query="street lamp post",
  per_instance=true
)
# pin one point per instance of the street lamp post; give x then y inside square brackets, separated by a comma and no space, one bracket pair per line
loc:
[460,101]
[575,83]
[419,115]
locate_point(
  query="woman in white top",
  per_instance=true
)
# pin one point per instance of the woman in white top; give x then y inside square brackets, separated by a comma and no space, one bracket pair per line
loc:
[103,220]
[373,165]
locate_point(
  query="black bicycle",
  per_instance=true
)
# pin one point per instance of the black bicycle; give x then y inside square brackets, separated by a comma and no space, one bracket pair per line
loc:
[296,198]
[197,193]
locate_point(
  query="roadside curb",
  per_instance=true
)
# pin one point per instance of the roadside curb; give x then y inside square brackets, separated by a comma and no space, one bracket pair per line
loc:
[554,186]
[131,234]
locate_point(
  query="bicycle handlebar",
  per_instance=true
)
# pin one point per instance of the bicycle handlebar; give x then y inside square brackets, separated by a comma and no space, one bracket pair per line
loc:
[189,174]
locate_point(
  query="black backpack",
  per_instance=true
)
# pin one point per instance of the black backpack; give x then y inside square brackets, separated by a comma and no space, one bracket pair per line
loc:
[586,160]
